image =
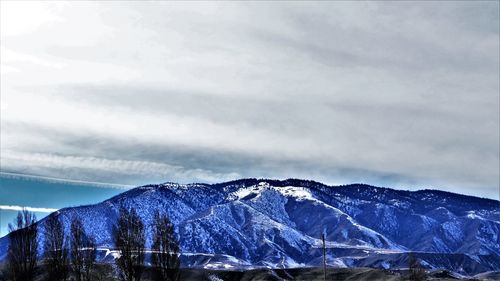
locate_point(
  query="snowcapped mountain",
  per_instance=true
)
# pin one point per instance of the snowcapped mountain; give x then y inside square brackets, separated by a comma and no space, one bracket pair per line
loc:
[253,223]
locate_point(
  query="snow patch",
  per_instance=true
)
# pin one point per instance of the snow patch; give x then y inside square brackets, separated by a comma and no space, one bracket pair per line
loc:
[218,265]
[299,193]
[213,277]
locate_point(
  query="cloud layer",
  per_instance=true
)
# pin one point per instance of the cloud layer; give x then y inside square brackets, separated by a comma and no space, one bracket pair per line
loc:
[397,94]
[31,209]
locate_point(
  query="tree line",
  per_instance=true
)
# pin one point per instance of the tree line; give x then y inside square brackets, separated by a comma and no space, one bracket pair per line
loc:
[73,255]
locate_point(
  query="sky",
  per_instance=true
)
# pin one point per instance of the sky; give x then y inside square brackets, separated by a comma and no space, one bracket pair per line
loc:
[99,94]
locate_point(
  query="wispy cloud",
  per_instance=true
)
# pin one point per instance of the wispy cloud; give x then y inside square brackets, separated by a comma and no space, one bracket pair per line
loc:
[63,163]
[31,209]
[65,181]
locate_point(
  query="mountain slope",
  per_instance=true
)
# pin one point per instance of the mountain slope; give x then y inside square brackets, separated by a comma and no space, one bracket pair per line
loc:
[252,223]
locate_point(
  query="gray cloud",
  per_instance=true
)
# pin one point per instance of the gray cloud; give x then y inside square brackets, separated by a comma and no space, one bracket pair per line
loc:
[403,95]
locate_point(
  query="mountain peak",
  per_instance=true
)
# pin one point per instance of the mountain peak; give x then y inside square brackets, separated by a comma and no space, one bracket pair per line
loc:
[278,223]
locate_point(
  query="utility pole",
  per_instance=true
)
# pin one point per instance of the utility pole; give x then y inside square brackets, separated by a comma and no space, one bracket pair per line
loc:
[324,255]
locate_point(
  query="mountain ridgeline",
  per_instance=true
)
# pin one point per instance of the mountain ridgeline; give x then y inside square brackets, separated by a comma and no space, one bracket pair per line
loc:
[253,223]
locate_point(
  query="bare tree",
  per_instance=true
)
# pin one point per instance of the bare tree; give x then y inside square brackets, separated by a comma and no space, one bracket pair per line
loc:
[23,247]
[165,250]
[89,257]
[416,272]
[83,251]
[129,240]
[55,250]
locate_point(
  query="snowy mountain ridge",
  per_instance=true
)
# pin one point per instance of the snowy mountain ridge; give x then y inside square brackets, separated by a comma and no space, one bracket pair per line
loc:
[252,223]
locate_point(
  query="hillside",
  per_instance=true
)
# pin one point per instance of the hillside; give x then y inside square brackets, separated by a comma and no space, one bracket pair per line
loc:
[252,223]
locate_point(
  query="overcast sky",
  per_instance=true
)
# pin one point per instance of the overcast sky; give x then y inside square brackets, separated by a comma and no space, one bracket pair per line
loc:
[404,95]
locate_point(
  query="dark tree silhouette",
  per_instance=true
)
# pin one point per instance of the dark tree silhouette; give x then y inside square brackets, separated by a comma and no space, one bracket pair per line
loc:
[416,272]
[23,247]
[83,252]
[165,250]
[89,257]
[55,250]
[324,255]
[104,272]
[129,240]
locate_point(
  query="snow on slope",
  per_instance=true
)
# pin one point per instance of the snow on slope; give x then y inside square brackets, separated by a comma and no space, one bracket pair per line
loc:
[250,223]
